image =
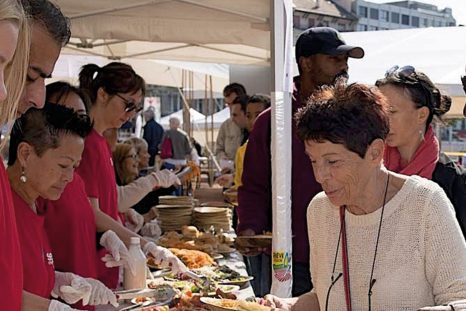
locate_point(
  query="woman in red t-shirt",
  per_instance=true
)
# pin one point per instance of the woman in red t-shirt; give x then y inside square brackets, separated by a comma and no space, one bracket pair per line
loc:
[45,147]
[116,93]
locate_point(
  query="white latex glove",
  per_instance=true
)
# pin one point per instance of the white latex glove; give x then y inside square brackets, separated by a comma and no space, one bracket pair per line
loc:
[152,229]
[56,305]
[71,288]
[119,254]
[166,178]
[100,294]
[135,221]
[164,258]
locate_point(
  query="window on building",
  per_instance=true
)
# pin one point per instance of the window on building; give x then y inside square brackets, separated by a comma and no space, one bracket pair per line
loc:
[395,18]
[425,22]
[404,19]
[362,27]
[439,24]
[414,21]
[341,27]
[363,11]
[374,13]
[452,24]
[311,22]
[384,15]
[372,28]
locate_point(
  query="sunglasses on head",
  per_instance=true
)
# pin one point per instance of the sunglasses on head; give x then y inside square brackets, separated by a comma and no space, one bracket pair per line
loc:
[129,104]
[405,73]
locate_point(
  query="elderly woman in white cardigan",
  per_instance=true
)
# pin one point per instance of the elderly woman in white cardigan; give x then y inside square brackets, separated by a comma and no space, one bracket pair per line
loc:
[379,240]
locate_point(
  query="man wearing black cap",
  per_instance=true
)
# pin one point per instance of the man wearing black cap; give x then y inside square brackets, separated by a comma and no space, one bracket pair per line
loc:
[322,58]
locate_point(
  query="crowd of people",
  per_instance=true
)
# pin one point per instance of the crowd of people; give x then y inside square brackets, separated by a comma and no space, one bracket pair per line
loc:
[353,148]
[378,215]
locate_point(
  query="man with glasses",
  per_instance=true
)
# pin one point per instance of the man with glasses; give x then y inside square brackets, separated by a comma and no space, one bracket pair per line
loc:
[322,58]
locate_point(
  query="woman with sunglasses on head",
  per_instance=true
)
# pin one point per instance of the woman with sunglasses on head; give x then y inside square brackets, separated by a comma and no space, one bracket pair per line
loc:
[116,93]
[412,147]
[379,240]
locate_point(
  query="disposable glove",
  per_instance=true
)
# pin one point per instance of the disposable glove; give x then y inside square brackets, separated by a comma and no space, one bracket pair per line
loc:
[119,254]
[151,229]
[100,294]
[166,178]
[56,305]
[164,258]
[71,288]
[135,221]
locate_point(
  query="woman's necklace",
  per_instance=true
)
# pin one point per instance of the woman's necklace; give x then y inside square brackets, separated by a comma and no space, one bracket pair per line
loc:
[345,261]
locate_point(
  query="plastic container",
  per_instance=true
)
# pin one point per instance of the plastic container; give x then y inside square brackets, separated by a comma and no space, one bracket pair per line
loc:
[138,280]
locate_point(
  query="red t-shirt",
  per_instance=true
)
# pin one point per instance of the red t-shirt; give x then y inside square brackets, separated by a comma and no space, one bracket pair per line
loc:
[71,229]
[38,268]
[98,175]
[11,265]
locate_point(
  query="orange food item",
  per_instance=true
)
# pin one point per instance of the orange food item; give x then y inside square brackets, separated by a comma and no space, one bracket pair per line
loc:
[193,259]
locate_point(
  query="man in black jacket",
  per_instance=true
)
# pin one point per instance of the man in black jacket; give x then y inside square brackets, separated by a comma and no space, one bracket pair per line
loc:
[153,133]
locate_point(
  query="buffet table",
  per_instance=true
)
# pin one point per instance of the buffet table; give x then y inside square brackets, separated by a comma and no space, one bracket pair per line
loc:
[233,261]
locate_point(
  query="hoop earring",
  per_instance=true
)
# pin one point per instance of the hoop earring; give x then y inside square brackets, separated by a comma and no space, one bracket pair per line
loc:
[23,177]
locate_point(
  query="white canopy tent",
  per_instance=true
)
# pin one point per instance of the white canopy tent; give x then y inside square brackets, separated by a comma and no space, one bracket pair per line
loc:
[234,32]
[158,72]
[195,115]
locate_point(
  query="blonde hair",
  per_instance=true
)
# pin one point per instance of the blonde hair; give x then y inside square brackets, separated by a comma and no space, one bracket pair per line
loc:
[137,143]
[16,70]
[119,156]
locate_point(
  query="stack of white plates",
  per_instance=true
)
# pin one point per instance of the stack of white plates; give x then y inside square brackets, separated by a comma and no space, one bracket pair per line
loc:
[176,200]
[218,217]
[173,217]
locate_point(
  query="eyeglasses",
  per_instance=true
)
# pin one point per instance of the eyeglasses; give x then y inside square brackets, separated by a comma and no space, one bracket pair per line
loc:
[132,156]
[129,104]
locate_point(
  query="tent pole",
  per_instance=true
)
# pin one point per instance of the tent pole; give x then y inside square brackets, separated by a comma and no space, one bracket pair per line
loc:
[282,279]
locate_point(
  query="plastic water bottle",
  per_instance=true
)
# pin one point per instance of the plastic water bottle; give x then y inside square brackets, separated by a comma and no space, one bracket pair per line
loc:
[138,280]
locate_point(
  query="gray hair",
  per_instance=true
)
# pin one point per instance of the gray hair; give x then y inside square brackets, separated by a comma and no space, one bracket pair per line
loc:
[149,114]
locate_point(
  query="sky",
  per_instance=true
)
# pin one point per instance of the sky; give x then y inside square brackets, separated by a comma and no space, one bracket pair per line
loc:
[458,7]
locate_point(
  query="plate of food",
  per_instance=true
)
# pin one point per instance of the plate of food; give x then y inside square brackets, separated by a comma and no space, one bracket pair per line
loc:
[261,240]
[220,304]
[240,281]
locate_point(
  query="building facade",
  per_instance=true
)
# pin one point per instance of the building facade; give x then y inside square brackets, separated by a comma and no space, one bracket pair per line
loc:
[400,15]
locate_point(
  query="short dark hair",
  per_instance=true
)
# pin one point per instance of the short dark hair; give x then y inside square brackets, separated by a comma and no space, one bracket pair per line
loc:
[49,16]
[260,98]
[420,89]
[241,100]
[42,128]
[114,78]
[60,89]
[353,115]
[234,87]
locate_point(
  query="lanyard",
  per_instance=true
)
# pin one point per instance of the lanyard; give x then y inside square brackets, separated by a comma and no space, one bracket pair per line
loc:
[344,259]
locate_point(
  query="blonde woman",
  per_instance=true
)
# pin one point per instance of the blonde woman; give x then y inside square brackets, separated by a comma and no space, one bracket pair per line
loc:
[14,38]
[126,162]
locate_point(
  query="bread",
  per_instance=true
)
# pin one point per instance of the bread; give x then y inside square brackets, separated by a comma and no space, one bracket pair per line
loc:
[190,232]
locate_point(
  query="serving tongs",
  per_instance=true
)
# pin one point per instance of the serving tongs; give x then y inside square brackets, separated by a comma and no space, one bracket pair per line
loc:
[200,280]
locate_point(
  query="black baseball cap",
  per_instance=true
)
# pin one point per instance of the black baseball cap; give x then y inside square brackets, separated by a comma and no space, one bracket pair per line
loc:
[324,40]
